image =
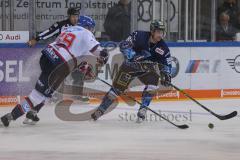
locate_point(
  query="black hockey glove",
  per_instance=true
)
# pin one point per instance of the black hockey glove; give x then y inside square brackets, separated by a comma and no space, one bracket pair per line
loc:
[103,57]
[165,79]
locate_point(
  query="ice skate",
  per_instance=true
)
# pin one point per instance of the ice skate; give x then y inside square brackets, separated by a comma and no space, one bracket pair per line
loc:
[6,119]
[141,115]
[31,118]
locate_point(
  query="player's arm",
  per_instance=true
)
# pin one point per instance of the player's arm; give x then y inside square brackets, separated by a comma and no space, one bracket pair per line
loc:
[94,47]
[102,58]
[126,46]
[50,32]
[166,62]
[101,54]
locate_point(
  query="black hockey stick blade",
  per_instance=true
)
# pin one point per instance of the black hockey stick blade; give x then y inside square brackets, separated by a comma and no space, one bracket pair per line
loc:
[183,126]
[226,117]
[221,117]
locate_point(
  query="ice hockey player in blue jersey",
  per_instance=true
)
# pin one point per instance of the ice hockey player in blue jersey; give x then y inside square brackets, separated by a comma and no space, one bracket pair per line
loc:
[143,51]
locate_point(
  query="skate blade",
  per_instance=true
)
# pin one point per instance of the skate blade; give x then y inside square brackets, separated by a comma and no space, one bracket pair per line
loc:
[29,122]
[3,126]
[139,120]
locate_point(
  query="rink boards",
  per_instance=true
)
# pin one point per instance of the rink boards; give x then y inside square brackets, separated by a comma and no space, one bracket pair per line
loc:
[204,70]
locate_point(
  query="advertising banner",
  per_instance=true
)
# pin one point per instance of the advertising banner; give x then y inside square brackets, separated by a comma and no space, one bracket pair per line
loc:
[204,67]
[14,36]
[204,72]
[19,70]
[230,70]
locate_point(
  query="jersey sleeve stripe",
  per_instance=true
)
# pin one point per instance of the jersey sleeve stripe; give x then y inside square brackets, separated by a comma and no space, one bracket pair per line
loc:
[43,33]
[52,34]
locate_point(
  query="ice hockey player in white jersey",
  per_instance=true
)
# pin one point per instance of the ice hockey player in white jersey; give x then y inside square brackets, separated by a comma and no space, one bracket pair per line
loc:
[68,52]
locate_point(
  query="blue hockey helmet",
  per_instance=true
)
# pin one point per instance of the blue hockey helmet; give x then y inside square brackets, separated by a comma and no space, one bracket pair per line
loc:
[86,22]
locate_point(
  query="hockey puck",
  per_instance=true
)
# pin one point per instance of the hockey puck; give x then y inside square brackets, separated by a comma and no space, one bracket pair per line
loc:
[210,125]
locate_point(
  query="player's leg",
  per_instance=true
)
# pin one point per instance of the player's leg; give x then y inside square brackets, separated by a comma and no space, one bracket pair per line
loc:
[127,72]
[78,80]
[34,98]
[151,81]
[120,84]
[49,80]
[25,106]
[42,86]
[107,101]
[31,116]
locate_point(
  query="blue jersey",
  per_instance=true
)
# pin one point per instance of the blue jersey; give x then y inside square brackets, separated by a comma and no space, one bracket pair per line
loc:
[139,43]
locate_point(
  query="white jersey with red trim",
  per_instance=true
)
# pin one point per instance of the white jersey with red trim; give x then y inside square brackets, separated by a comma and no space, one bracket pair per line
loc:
[74,42]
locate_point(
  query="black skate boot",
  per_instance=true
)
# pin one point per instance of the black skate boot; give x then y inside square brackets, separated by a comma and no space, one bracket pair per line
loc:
[141,115]
[6,119]
[98,113]
[31,118]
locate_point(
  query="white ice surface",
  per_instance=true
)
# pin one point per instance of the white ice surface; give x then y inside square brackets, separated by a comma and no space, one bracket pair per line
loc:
[113,137]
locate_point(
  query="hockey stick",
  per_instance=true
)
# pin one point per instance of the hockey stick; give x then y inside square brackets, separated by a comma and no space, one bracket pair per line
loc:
[221,117]
[178,126]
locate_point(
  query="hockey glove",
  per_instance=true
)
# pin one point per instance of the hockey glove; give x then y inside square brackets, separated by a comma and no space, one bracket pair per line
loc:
[87,70]
[103,57]
[165,79]
[165,74]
